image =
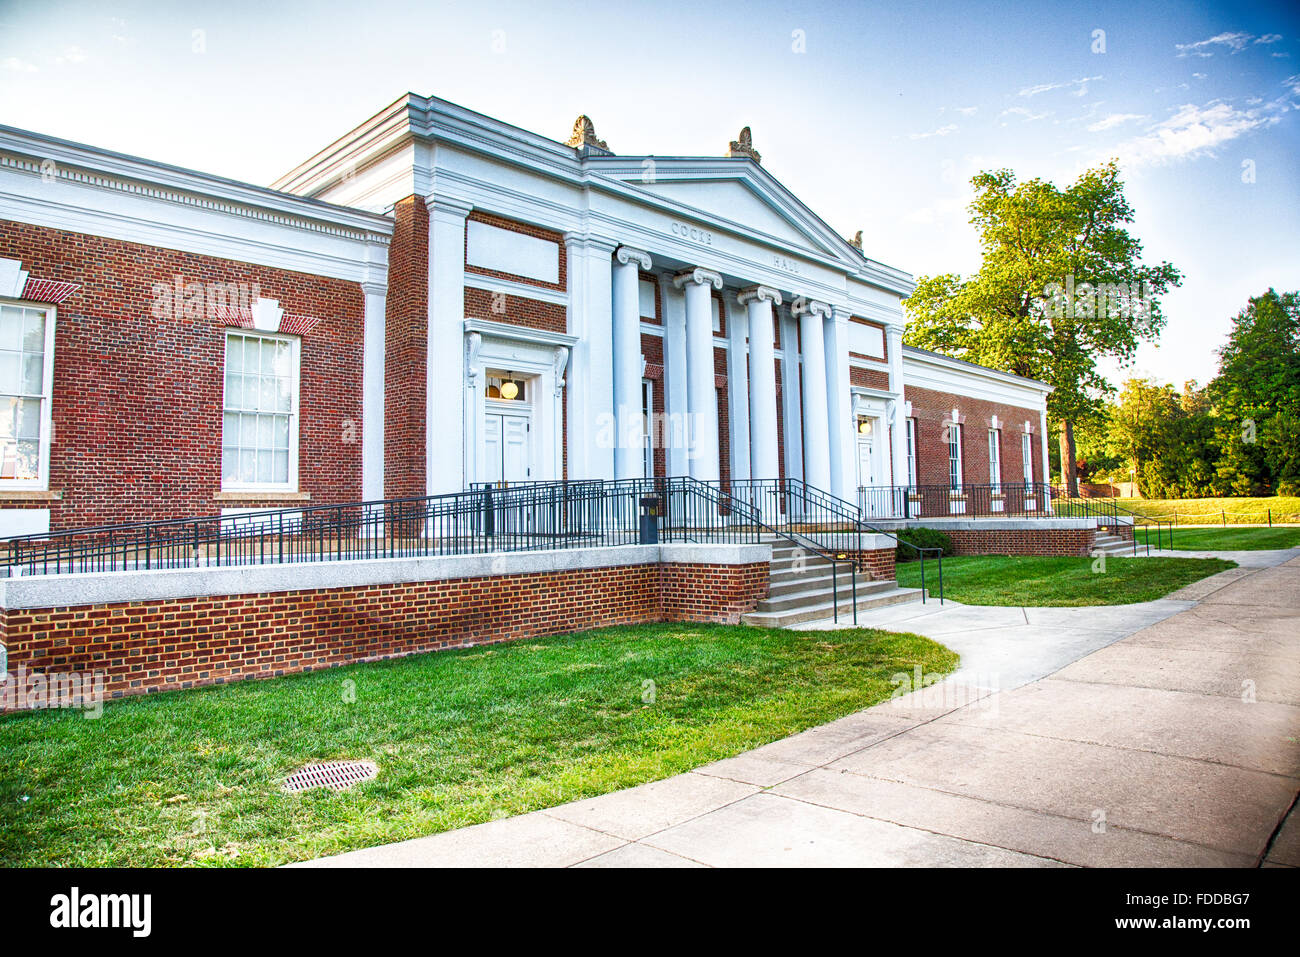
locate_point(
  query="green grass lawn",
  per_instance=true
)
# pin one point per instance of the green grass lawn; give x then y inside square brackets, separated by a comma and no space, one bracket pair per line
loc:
[460,737]
[1209,537]
[1030,580]
[1210,511]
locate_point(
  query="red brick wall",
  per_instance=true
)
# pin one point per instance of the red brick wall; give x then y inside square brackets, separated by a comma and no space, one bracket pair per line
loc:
[931,409]
[878,562]
[137,398]
[515,310]
[161,645]
[1038,541]
[870,378]
[406,339]
[720,593]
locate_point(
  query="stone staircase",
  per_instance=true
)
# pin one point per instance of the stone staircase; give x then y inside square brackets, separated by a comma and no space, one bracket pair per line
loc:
[800,590]
[1109,544]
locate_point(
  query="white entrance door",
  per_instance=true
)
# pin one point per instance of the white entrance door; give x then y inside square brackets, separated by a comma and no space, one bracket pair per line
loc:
[507,447]
[866,461]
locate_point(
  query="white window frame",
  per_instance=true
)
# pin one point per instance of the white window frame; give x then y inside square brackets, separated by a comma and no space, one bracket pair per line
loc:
[995,459]
[955,482]
[1027,456]
[42,481]
[911,452]
[295,358]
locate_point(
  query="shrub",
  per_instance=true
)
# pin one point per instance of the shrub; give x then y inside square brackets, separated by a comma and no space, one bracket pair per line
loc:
[921,538]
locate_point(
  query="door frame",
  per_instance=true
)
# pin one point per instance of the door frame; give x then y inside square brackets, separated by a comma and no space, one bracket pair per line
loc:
[540,356]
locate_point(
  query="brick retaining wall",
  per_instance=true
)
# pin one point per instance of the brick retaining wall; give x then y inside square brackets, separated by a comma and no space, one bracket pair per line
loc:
[161,644]
[1019,541]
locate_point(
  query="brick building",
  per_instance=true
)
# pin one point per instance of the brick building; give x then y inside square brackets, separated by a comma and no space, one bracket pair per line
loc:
[438,299]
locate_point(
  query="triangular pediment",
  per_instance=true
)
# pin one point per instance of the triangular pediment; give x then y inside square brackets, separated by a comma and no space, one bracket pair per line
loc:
[740,194]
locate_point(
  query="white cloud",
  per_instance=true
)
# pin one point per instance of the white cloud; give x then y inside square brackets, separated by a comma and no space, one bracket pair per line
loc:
[1236,42]
[18,66]
[1114,120]
[967,110]
[1029,115]
[70,55]
[1081,84]
[1192,131]
[1269,38]
[941,131]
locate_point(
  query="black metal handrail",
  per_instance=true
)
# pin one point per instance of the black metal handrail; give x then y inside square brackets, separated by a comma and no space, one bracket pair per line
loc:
[490,518]
[816,512]
[1000,500]
[1108,512]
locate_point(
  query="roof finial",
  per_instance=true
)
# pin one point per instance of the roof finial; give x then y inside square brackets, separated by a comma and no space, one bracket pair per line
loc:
[584,134]
[745,146]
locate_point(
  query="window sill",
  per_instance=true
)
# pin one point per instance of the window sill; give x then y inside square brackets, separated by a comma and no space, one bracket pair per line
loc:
[252,495]
[29,495]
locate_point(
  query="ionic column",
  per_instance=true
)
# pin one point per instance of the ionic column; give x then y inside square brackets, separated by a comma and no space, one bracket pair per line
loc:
[701,396]
[839,408]
[764,456]
[816,422]
[628,452]
[898,447]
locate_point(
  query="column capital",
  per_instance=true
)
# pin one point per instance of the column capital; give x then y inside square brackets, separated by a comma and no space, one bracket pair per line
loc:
[448,205]
[802,306]
[626,254]
[589,241]
[699,275]
[759,293]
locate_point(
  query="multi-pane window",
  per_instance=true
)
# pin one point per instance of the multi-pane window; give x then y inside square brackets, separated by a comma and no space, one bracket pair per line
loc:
[26,370]
[1027,456]
[911,451]
[954,456]
[995,459]
[259,447]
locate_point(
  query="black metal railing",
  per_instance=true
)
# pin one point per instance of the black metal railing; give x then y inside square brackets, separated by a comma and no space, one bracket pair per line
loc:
[1009,500]
[1112,515]
[724,513]
[836,525]
[1006,500]
[493,518]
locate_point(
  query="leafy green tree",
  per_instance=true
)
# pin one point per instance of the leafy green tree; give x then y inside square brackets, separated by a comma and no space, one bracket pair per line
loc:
[1256,396]
[1061,287]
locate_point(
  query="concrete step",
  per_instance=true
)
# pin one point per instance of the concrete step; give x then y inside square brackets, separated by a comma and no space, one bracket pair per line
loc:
[893,595]
[821,595]
[808,566]
[1119,548]
[787,582]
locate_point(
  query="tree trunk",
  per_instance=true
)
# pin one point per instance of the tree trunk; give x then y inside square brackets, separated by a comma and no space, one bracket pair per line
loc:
[1069,459]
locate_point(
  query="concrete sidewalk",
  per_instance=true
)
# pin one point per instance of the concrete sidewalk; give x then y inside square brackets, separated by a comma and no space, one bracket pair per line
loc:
[1160,734]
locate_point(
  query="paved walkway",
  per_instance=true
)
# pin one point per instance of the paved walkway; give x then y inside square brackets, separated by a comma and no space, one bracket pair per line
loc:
[1160,734]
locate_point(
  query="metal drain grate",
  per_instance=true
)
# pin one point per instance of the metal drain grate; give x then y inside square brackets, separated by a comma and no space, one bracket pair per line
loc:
[338,775]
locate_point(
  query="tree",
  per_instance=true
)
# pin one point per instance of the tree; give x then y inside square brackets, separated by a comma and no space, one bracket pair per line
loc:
[1257,396]
[1061,286]
[1166,439]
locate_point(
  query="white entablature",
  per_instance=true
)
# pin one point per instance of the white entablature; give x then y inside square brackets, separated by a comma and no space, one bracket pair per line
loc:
[727,213]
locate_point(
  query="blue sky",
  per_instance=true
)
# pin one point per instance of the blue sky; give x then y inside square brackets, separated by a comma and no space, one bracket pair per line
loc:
[875,115]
